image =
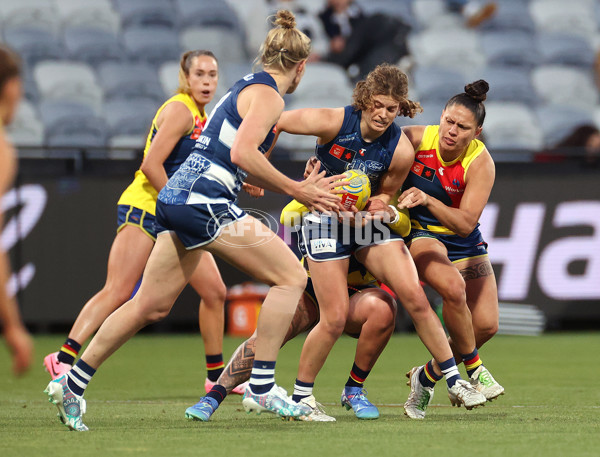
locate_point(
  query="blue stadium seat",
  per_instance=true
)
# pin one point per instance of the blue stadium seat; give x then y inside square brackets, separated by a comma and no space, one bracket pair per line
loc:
[509,47]
[510,84]
[68,80]
[96,14]
[511,15]
[72,124]
[130,116]
[125,80]
[565,85]
[92,46]
[146,12]
[226,45]
[558,121]
[435,84]
[558,16]
[565,49]
[511,125]
[33,44]
[207,12]
[26,129]
[458,50]
[151,44]
[40,14]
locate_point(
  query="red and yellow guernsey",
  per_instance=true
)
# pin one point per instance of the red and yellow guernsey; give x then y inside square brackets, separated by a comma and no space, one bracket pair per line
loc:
[442,180]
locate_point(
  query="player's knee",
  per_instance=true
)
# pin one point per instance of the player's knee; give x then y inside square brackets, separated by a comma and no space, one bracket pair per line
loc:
[453,294]
[415,302]
[334,324]
[295,277]
[214,297]
[381,312]
[484,332]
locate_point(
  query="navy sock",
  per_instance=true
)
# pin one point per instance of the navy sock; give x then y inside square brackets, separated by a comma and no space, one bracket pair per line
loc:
[79,376]
[450,371]
[262,378]
[428,377]
[471,361]
[214,366]
[302,390]
[69,351]
[218,392]
[357,377]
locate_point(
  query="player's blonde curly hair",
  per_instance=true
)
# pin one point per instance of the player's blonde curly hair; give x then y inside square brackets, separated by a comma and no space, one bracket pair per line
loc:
[389,80]
[285,45]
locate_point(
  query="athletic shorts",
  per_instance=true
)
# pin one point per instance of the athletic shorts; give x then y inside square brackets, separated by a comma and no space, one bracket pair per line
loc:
[323,238]
[196,225]
[459,248]
[130,215]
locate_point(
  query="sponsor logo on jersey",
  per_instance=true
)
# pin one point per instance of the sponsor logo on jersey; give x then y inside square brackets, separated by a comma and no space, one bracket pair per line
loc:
[346,138]
[373,165]
[198,126]
[342,153]
[424,172]
[321,245]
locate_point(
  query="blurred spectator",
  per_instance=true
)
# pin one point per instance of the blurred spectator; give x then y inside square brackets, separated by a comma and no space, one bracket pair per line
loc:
[583,145]
[359,42]
[474,12]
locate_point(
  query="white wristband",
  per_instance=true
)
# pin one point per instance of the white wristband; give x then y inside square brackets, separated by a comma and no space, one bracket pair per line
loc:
[396,215]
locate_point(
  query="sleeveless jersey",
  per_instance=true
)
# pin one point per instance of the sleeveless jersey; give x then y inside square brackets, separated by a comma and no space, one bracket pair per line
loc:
[349,151]
[140,193]
[208,175]
[442,180]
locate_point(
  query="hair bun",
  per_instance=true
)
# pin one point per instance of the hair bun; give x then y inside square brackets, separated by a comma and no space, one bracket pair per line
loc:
[477,90]
[285,19]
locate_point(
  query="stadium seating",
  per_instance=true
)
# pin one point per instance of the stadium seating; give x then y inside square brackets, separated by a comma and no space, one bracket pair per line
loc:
[511,125]
[558,121]
[92,46]
[91,14]
[98,52]
[70,81]
[146,12]
[26,128]
[565,85]
[125,80]
[154,44]
[510,48]
[565,49]
[435,84]
[226,45]
[34,44]
[510,84]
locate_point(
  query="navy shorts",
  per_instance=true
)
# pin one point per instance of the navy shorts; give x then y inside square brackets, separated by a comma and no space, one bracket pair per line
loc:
[324,238]
[196,225]
[130,215]
[459,248]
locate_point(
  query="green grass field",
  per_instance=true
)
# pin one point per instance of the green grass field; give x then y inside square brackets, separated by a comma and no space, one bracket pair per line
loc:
[137,400]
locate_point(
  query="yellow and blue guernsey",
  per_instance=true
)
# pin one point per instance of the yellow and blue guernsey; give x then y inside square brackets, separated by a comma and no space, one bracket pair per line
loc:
[444,181]
[140,193]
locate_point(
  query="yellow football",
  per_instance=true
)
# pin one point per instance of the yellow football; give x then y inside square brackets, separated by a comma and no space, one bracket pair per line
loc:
[358,191]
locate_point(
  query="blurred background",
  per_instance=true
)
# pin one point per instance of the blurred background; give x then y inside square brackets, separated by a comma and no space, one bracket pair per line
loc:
[95,71]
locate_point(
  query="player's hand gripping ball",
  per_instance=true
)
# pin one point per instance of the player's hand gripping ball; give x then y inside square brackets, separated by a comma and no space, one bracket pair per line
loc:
[358,190]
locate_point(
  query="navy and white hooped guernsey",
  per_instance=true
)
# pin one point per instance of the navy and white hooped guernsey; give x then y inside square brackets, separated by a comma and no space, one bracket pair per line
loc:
[199,200]
[208,175]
